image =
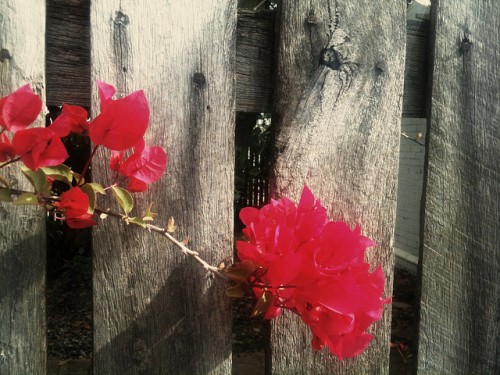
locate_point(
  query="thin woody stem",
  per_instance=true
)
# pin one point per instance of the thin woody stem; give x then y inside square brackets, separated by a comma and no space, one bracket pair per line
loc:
[162,231]
[184,249]
[10,162]
[150,227]
[187,251]
[404,135]
[267,286]
[87,165]
[48,198]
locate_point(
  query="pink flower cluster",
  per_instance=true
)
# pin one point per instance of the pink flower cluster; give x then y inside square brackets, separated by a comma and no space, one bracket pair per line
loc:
[120,127]
[314,267]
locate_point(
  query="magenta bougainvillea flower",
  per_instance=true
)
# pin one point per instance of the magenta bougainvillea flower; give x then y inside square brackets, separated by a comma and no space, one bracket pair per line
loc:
[39,147]
[36,147]
[120,128]
[316,268]
[73,119]
[75,205]
[122,122]
[145,166]
[19,109]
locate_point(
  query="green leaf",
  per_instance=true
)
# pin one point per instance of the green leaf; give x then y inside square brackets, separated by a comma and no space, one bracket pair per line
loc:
[5,195]
[124,199]
[37,179]
[60,172]
[137,221]
[91,194]
[149,215]
[171,227]
[78,178]
[4,181]
[91,189]
[96,187]
[26,199]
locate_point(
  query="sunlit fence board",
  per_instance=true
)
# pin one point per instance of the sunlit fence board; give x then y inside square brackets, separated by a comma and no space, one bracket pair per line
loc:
[22,229]
[338,113]
[460,303]
[155,310]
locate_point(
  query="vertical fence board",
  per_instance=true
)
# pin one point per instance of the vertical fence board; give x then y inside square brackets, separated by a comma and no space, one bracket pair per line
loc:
[22,229]
[254,55]
[68,50]
[338,132]
[155,310]
[460,259]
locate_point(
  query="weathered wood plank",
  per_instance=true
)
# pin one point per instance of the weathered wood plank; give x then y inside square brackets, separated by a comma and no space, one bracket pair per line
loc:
[68,52]
[156,311]
[22,229]
[460,259]
[254,61]
[416,69]
[68,59]
[338,132]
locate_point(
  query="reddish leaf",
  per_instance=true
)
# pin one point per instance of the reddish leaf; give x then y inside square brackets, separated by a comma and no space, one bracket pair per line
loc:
[240,271]
[39,147]
[73,118]
[265,301]
[19,109]
[122,123]
[147,166]
[237,291]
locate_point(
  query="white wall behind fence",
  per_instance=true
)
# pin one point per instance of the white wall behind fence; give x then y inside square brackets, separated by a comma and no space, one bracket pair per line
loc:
[411,173]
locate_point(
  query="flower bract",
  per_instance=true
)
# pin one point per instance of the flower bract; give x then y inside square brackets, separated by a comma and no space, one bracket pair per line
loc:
[316,268]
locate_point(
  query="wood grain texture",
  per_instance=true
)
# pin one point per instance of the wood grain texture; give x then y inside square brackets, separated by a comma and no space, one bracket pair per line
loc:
[68,60]
[155,310]
[338,132]
[416,69]
[22,229]
[68,52]
[254,61]
[460,259]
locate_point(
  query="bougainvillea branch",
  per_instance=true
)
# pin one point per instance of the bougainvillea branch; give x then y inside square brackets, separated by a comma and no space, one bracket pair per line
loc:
[87,166]
[180,244]
[55,201]
[294,257]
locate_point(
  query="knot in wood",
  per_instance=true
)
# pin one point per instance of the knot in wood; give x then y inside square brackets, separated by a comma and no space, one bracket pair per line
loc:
[4,55]
[380,67]
[330,58]
[199,80]
[312,19]
[121,18]
[465,45]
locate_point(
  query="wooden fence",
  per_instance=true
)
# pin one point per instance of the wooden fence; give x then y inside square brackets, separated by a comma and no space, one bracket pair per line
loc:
[332,73]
